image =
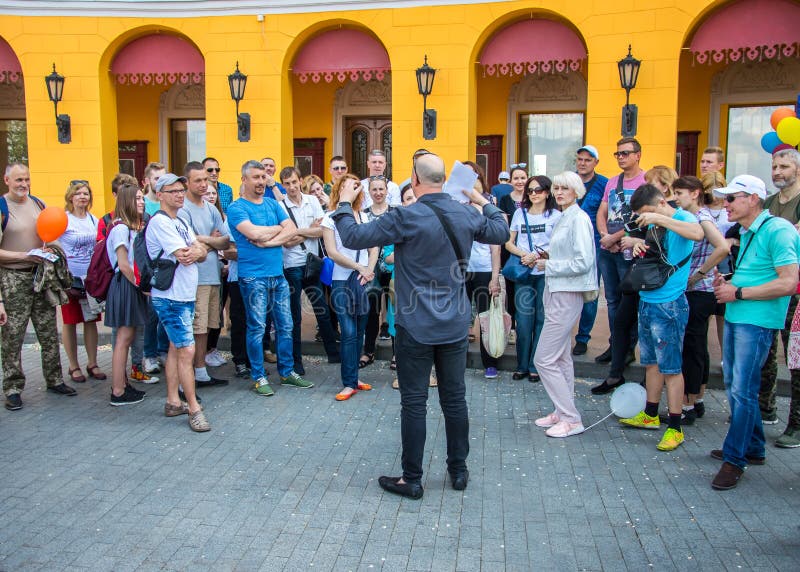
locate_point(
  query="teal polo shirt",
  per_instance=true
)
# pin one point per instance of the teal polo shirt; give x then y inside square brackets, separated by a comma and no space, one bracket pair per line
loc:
[774,244]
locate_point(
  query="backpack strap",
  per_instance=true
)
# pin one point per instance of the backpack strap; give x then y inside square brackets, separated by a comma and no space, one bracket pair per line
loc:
[4,209]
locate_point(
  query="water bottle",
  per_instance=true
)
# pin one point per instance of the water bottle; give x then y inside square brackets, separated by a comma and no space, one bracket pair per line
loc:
[627,253]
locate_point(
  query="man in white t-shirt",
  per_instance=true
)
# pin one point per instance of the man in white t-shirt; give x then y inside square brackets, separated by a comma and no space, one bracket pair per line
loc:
[172,239]
[376,163]
[306,213]
[206,223]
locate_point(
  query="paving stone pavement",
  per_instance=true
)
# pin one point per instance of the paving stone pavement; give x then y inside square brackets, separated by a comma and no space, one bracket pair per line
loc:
[290,483]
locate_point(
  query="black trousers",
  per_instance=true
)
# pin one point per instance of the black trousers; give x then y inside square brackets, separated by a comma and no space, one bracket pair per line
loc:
[374,315]
[414,362]
[213,333]
[695,340]
[478,294]
[625,334]
[238,325]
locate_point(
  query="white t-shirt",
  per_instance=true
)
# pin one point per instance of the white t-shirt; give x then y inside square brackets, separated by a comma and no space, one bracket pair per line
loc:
[168,234]
[78,243]
[392,194]
[541,228]
[120,235]
[362,256]
[304,215]
[480,259]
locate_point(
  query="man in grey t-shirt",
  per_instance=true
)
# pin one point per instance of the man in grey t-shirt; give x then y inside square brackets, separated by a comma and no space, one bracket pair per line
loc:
[206,222]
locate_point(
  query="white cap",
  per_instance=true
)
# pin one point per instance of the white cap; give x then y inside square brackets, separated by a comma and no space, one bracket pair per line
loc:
[744,184]
[503,176]
[591,149]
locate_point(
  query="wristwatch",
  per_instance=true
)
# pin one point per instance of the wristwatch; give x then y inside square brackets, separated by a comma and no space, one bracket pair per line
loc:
[738,294]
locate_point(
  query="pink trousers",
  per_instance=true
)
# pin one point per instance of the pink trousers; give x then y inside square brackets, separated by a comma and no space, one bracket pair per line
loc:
[553,357]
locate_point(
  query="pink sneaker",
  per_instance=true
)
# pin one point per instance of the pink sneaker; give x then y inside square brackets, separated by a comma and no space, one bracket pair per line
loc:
[548,420]
[565,429]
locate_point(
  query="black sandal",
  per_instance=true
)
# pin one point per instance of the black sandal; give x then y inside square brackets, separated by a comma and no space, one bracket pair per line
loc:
[362,363]
[517,375]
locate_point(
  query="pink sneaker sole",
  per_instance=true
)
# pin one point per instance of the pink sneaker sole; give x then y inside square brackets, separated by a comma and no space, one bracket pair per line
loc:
[547,421]
[565,429]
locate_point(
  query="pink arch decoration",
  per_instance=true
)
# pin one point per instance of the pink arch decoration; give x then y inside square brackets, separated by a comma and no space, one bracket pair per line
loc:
[749,30]
[341,54]
[158,59]
[10,70]
[533,46]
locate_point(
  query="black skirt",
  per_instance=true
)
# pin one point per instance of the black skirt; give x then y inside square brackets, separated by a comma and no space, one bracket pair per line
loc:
[125,304]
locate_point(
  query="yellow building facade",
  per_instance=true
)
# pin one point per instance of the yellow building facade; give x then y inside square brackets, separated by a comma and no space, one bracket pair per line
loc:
[498,116]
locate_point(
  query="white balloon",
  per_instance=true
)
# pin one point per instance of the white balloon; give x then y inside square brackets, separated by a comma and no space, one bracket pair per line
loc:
[628,400]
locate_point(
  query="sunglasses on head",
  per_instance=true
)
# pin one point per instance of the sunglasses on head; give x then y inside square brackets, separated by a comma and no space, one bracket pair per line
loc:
[623,154]
[377,178]
[78,182]
[213,169]
[522,166]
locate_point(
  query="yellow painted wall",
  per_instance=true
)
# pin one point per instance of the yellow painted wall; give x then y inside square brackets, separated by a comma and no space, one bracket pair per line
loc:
[451,36]
[137,117]
[313,113]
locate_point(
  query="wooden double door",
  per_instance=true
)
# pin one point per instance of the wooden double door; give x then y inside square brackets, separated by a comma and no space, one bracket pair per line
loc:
[362,135]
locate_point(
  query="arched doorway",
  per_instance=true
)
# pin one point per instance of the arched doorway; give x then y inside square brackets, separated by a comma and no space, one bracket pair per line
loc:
[342,102]
[160,103]
[13,129]
[531,101]
[729,84]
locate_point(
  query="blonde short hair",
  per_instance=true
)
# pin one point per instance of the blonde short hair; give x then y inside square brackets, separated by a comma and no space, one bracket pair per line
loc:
[571,181]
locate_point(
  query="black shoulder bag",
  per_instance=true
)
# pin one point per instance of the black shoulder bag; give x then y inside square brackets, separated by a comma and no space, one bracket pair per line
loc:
[650,273]
[313,266]
[460,259]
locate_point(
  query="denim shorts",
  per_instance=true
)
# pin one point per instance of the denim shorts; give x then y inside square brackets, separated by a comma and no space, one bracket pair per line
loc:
[177,318]
[661,329]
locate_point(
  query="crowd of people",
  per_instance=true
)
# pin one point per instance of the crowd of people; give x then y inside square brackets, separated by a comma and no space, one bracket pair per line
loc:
[406,264]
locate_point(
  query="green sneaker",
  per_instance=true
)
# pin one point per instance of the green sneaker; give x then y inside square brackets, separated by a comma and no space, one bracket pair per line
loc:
[643,421]
[670,441]
[262,387]
[790,439]
[295,380]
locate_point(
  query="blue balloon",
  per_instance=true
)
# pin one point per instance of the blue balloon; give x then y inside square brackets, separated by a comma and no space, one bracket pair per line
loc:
[769,141]
[628,400]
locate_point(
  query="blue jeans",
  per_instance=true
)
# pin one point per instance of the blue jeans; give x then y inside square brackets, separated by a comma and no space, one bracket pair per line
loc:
[612,268]
[294,276]
[588,314]
[528,300]
[261,296]
[352,330]
[744,351]
[155,336]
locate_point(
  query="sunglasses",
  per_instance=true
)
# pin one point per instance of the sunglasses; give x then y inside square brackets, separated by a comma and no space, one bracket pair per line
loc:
[731,198]
[518,166]
[377,178]
[536,190]
[213,170]
[338,168]
[623,154]
[78,182]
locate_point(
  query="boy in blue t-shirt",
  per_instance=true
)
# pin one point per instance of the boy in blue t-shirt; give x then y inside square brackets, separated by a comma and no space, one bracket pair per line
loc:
[663,312]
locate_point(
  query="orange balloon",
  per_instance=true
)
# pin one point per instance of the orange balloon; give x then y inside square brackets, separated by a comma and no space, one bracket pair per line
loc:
[779,114]
[51,224]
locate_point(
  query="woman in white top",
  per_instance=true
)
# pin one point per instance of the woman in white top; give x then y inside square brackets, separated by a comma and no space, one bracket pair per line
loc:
[570,270]
[531,227]
[351,323]
[78,242]
[126,306]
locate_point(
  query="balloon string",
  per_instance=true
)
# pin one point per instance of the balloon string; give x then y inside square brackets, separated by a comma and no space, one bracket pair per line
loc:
[599,422]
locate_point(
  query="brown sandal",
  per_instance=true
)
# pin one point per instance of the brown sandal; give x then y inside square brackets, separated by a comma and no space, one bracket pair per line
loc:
[95,373]
[80,378]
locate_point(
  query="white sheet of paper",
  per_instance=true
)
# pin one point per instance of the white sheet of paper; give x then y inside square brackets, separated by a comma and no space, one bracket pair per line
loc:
[461,178]
[42,254]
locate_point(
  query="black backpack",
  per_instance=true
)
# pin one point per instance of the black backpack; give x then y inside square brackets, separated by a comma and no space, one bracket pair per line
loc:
[149,268]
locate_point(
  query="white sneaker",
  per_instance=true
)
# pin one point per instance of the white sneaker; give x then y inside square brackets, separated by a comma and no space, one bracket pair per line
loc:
[215,359]
[151,365]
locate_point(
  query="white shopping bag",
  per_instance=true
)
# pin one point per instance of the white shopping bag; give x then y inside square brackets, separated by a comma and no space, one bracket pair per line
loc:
[495,325]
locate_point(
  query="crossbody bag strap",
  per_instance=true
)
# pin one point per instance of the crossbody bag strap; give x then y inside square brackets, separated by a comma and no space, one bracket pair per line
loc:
[294,220]
[462,263]
[527,229]
[749,242]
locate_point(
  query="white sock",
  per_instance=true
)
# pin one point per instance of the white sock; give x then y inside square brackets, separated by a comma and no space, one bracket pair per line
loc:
[200,374]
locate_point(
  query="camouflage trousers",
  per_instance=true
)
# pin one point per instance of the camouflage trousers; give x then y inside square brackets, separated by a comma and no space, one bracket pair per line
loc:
[22,305]
[769,375]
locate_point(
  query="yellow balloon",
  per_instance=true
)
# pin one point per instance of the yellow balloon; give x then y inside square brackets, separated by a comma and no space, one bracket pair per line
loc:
[789,130]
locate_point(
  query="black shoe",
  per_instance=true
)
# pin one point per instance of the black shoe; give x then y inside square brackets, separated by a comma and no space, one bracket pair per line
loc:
[62,389]
[717,454]
[384,333]
[688,417]
[534,378]
[410,490]
[182,396]
[318,337]
[127,398]
[334,359]
[517,375]
[604,357]
[130,389]
[13,402]
[460,480]
[607,386]
[298,368]
[210,383]
[700,409]
[579,349]
[630,357]
[241,370]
